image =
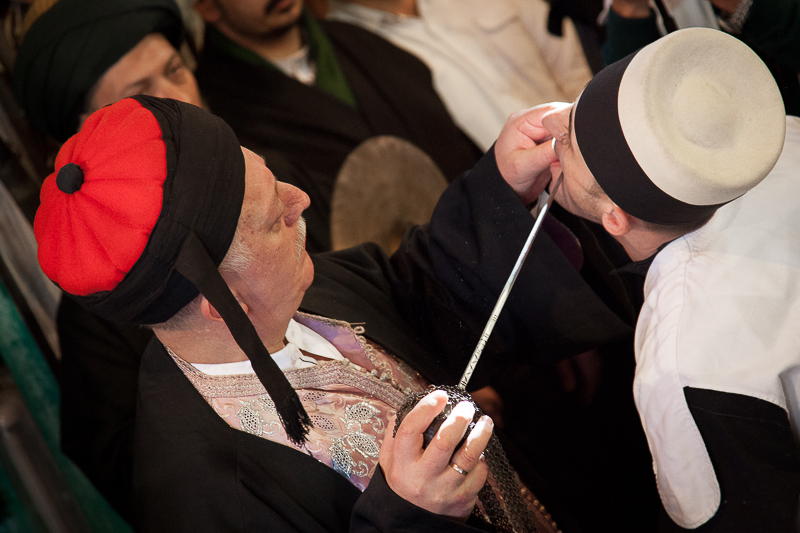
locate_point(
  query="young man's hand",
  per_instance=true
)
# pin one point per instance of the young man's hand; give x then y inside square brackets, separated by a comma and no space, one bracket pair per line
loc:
[524,151]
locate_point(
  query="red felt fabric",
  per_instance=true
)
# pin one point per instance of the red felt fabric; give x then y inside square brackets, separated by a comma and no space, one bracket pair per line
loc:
[89,240]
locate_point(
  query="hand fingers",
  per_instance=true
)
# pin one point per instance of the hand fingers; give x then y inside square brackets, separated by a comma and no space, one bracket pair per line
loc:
[476,479]
[444,443]
[470,458]
[407,445]
[529,121]
[555,107]
[535,113]
[533,161]
[468,455]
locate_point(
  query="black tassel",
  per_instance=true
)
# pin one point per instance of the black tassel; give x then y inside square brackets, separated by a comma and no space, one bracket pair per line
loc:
[294,418]
[196,265]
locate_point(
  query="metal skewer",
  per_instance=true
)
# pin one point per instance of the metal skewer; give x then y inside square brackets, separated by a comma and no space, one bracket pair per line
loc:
[476,355]
[514,509]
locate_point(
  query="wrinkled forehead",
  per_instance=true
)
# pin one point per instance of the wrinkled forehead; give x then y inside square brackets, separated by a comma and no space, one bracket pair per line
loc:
[149,57]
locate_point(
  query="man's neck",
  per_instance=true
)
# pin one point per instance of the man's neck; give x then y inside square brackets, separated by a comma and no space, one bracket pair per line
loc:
[210,345]
[642,244]
[398,7]
[269,48]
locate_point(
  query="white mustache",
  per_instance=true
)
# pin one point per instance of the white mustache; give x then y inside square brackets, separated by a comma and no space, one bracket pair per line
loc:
[301,237]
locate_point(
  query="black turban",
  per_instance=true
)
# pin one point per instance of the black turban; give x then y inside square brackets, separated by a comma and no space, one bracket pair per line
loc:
[69,47]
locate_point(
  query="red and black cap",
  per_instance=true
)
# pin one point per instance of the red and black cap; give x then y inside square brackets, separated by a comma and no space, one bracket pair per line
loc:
[137,217]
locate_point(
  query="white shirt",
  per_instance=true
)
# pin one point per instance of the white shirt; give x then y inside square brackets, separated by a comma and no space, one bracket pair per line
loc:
[488,58]
[299,337]
[299,66]
[721,312]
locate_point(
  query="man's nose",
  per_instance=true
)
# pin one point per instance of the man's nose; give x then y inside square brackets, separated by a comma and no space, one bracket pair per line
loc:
[295,200]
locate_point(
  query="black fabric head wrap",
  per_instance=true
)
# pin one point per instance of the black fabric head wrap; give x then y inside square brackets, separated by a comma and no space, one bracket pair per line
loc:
[200,194]
[73,44]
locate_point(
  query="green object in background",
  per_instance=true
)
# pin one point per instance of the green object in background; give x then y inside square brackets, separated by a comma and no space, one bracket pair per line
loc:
[39,389]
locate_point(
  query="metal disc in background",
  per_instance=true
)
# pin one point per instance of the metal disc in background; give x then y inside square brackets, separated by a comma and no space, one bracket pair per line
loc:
[385,186]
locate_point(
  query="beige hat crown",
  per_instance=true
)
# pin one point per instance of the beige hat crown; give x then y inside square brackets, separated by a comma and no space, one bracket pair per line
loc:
[693,121]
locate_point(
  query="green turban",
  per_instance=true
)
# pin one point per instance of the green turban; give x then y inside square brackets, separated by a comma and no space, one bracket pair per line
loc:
[69,47]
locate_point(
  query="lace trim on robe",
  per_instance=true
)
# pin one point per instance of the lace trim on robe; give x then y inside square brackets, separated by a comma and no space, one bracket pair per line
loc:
[323,375]
[349,401]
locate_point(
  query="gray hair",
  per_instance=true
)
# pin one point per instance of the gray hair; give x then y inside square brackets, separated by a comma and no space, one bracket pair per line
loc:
[237,260]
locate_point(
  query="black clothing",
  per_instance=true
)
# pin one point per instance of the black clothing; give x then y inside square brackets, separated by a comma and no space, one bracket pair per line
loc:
[97,379]
[427,304]
[554,421]
[755,458]
[394,94]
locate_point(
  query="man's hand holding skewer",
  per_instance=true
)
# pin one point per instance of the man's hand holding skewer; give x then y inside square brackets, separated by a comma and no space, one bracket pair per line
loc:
[524,151]
[426,477]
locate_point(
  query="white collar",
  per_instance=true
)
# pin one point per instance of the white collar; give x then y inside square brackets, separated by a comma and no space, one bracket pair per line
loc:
[299,337]
[299,66]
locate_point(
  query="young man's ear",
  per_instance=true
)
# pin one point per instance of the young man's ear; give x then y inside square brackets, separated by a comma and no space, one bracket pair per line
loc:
[210,313]
[616,221]
[209,10]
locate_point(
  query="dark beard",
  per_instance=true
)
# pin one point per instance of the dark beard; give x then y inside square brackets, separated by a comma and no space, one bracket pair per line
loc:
[273,34]
[278,33]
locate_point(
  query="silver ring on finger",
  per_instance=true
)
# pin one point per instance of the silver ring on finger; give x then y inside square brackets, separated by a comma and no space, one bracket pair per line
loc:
[458,469]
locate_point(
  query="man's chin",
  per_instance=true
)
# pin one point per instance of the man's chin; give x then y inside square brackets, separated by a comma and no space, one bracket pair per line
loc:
[285,20]
[568,206]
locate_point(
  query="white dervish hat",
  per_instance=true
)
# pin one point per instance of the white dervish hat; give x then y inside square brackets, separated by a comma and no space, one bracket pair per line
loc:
[681,127]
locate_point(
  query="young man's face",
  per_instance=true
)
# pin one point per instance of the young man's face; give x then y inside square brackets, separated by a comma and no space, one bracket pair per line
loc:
[575,194]
[272,229]
[153,67]
[252,19]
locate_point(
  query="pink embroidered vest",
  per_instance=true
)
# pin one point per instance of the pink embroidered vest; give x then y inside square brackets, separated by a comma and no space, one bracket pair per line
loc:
[349,401]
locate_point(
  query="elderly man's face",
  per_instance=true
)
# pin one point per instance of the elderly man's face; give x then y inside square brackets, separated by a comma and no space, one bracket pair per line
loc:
[272,229]
[252,19]
[152,67]
[575,194]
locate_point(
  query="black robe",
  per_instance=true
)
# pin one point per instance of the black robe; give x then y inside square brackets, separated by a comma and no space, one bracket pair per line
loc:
[427,304]
[394,93]
[755,459]
[100,364]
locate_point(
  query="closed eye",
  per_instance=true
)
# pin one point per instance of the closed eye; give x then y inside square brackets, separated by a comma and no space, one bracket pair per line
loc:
[175,68]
